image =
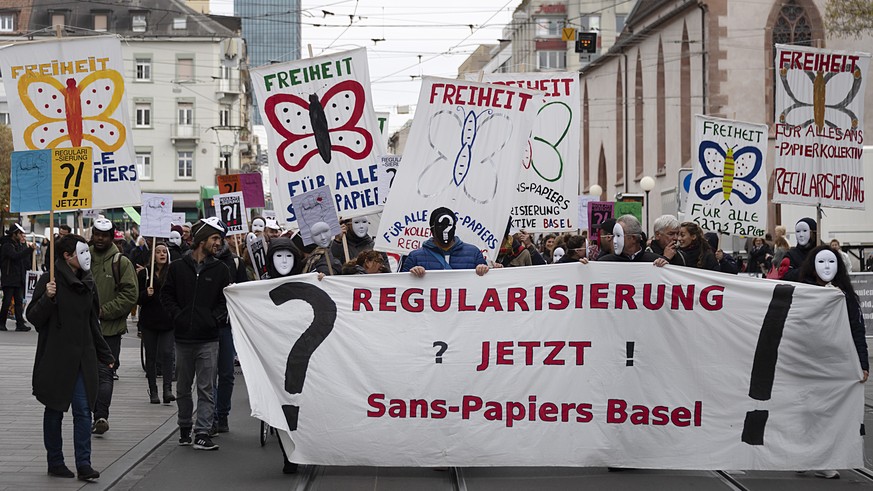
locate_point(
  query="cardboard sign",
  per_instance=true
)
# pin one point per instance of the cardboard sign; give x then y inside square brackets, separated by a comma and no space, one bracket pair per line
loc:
[32,278]
[628,208]
[387,171]
[229,183]
[258,255]
[30,183]
[230,208]
[71,186]
[157,215]
[313,207]
[598,212]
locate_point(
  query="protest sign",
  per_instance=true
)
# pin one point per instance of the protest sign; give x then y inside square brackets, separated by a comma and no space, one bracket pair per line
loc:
[628,208]
[522,358]
[549,177]
[258,255]
[70,93]
[388,166]
[382,118]
[157,215]
[32,279]
[178,218]
[321,130]
[598,212]
[315,207]
[230,208]
[863,285]
[253,189]
[729,181]
[582,210]
[71,187]
[228,183]
[819,104]
[463,152]
[30,188]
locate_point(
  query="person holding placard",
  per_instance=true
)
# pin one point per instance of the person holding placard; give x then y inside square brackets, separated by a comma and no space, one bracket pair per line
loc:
[15,258]
[156,325]
[68,357]
[321,260]
[444,250]
[354,240]
[627,244]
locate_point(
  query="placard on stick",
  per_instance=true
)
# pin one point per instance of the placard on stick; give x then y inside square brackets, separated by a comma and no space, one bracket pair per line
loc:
[157,215]
[71,178]
[30,184]
[312,207]
[231,209]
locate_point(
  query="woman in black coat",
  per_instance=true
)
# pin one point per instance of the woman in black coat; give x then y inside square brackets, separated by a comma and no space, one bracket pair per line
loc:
[70,346]
[156,326]
[695,248]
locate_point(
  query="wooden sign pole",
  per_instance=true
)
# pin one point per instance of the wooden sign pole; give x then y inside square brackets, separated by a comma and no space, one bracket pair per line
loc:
[152,268]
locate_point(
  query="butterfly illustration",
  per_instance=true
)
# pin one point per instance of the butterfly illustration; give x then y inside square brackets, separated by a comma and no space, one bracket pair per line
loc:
[466,144]
[69,113]
[320,126]
[827,107]
[542,150]
[729,172]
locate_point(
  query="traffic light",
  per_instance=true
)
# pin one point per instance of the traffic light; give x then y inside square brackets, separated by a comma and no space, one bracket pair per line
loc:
[586,42]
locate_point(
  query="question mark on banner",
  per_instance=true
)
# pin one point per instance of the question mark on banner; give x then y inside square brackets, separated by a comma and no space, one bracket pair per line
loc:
[324,310]
[72,170]
[393,173]
[229,213]
[439,354]
[764,365]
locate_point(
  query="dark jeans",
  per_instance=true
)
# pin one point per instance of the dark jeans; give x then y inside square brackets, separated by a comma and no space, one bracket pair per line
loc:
[224,389]
[51,429]
[107,384]
[10,292]
[196,360]
[158,348]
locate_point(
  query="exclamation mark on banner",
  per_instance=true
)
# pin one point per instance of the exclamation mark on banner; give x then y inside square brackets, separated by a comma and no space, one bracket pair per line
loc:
[764,365]
[630,354]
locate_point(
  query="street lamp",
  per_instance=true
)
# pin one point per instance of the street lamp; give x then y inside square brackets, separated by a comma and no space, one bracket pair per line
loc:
[226,152]
[595,190]
[648,184]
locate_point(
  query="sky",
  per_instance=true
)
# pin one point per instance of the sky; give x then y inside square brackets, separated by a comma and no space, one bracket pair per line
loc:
[414,38]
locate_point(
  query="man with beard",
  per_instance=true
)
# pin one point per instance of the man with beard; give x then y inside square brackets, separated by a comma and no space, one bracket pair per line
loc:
[444,250]
[193,296]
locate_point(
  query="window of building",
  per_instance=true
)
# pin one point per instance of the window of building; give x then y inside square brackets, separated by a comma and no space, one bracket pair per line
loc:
[58,20]
[144,165]
[224,116]
[138,23]
[7,22]
[185,164]
[185,114]
[548,60]
[143,70]
[143,115]
[101,22]
[184,69]
[548,27]
[180,22]
[4,118]
[619,22]
[590,22]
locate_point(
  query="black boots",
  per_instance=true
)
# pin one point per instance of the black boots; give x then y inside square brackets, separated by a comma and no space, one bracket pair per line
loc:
[168,395]
[153,395]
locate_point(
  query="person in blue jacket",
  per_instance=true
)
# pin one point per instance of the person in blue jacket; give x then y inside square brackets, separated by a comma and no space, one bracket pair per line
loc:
[444,250]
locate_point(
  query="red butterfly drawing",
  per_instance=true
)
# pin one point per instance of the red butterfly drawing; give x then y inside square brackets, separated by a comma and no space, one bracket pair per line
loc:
[320,126]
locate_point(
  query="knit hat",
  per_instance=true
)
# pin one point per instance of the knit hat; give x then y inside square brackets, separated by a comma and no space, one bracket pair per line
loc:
[177,228]
[204,228]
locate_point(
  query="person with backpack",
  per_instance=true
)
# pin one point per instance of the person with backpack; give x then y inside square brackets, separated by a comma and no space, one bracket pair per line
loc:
[15,257]
[118,292]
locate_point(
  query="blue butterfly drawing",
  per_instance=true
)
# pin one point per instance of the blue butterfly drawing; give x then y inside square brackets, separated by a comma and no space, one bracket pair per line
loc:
[729,172]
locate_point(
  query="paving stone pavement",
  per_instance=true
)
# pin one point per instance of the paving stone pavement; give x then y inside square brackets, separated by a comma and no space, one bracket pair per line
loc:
[136,427]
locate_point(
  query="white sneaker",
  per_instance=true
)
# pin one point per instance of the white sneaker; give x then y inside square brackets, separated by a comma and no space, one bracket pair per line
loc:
[827,474]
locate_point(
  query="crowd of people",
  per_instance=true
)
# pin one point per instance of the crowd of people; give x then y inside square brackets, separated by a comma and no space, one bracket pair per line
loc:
[174,287]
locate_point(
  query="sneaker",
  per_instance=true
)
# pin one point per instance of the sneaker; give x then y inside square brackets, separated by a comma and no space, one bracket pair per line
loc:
[203,442]
[87,473]
[100,426]
[221,425]
[827,474]
[213,431]
[60,471]
[184,437]
[22,328]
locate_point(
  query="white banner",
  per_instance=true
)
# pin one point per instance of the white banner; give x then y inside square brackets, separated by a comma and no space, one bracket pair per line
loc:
[549,181]
[156,218]
[729,182]
[553,366]
[463,152]
[388,165]
[70,93]
[819,119]
[321,130]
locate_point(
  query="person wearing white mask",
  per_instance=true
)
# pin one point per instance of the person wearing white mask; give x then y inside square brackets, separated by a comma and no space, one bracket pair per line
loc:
[627,244]
[174,245]
[356,236]
[805,232]
[557,254]
[68,357]
[823,268]
[321,259]
[257,226]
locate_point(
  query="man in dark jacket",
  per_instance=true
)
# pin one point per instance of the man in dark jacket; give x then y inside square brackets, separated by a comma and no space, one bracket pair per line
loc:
[15,258]
[627,244]
[193,296]
[666,240]
[224,388]
[443,250]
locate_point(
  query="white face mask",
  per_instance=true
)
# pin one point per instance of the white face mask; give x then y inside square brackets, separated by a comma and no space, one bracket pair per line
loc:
[802,231]
[361,226]
[283,261]
[320,234]
[617,239]
[826,265]
[84,256]
[175,238]
[557,254]
[257,225]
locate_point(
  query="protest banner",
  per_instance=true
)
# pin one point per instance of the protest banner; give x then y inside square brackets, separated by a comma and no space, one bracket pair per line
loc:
[463,152]
[382,118]
[228,183]
[70,93]
[728,191]
[258,255]
[315,207]
[157,215]
[30,185]
[819,105]
[71,187]
[388,165]
[598,212]
[549,177]
[249,184]
[230,208]
[652,370]
[321,130]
